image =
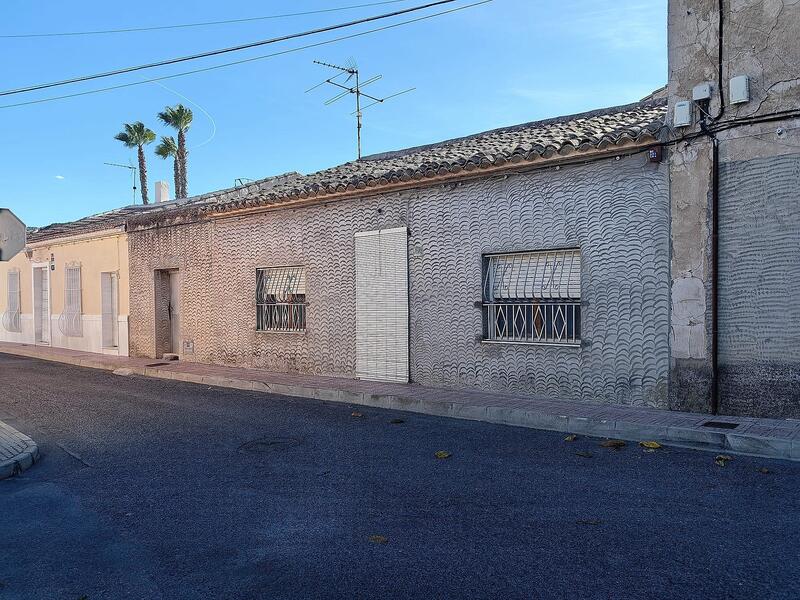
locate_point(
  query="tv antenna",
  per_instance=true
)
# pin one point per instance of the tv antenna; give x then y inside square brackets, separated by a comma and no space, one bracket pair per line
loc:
[133,170]
[351,70]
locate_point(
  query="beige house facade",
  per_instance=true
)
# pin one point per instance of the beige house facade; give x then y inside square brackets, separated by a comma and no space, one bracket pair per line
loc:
[69,287]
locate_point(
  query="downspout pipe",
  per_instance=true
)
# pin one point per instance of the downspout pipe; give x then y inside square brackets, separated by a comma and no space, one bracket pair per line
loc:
[715,221]
[714,275]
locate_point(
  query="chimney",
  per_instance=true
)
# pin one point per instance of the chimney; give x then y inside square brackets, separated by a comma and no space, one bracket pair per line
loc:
[162,192]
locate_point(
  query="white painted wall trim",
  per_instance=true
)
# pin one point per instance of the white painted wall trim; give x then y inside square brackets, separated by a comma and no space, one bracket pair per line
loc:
[90,341]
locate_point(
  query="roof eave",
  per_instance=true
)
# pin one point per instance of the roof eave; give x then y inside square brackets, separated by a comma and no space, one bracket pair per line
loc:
[77,237]
[624,146]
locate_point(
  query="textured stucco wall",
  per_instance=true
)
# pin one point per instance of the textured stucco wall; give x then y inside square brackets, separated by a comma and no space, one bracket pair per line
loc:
[759,268]
[760,41]
[615,211]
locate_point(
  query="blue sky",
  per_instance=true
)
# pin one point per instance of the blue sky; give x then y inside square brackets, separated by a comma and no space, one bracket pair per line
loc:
[502,63]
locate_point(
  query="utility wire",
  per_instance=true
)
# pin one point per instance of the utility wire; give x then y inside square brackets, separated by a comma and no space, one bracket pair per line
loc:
[181,59]
[188,25]
[248,60]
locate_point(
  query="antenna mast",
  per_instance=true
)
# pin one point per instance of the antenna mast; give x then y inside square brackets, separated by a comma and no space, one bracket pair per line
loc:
[352,74]
[133,173]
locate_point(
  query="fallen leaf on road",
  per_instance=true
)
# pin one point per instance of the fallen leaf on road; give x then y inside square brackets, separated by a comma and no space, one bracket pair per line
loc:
[356,414]
[571,438]
[396,421]
[722,459]
[442,454]
[615,444]
[378,539]
[764,471]
[583,454]
[650,445]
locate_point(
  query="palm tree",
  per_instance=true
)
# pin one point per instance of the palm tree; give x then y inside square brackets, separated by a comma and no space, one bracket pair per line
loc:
[136,135]
[167,148]
[179,117]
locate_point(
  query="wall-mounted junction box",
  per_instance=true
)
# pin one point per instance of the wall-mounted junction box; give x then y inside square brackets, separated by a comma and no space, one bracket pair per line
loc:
[702,91]
[683,114]
[740,89]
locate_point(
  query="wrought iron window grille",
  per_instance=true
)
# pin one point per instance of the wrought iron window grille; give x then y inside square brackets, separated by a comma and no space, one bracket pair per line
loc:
[532,297]
[70,322]
[281,299]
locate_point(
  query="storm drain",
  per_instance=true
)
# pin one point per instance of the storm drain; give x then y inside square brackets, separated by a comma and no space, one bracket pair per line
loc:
[263,445]
[720,424]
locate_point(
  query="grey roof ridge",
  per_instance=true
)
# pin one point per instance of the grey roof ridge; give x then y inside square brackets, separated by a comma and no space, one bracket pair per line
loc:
[119,209]
[250,184]
[132,208]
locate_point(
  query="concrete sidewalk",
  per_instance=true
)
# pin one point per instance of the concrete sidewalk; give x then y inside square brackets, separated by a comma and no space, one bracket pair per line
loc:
[17,451]
[773,438]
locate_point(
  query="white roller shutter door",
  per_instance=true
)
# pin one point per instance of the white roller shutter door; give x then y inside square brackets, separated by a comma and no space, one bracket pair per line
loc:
[382,304]
[109,304]
[41,304]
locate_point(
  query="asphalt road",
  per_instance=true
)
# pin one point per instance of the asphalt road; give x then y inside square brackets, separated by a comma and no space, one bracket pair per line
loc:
[156,489]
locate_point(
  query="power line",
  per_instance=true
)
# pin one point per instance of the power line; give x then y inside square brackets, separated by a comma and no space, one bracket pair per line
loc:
[188,25]
[181,59]
[247,60]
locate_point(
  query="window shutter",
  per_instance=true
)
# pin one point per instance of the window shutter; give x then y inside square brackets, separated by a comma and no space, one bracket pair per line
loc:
[550,275]
[71,323]
[11,318]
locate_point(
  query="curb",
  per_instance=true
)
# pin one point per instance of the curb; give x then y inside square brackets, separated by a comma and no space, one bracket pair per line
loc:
[629,430]
[25,459]
[683,437]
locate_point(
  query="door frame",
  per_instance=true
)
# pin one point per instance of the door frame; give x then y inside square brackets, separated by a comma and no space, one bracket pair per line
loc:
[175,321]
[159,275]
[46,267]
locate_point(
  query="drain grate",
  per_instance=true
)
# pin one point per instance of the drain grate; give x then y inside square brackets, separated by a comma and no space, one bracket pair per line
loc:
[269,445]
[720,424]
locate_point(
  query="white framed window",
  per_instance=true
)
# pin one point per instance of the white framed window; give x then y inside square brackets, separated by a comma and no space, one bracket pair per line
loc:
[11,317]
[533,297]
[71,322]
[281,299]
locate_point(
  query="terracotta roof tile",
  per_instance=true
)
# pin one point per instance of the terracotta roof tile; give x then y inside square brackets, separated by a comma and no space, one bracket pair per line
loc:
[599,129]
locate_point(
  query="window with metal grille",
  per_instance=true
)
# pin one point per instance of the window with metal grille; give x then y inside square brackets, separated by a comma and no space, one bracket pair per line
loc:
[533,297]
[281,299]
[11,317]
[70,322]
